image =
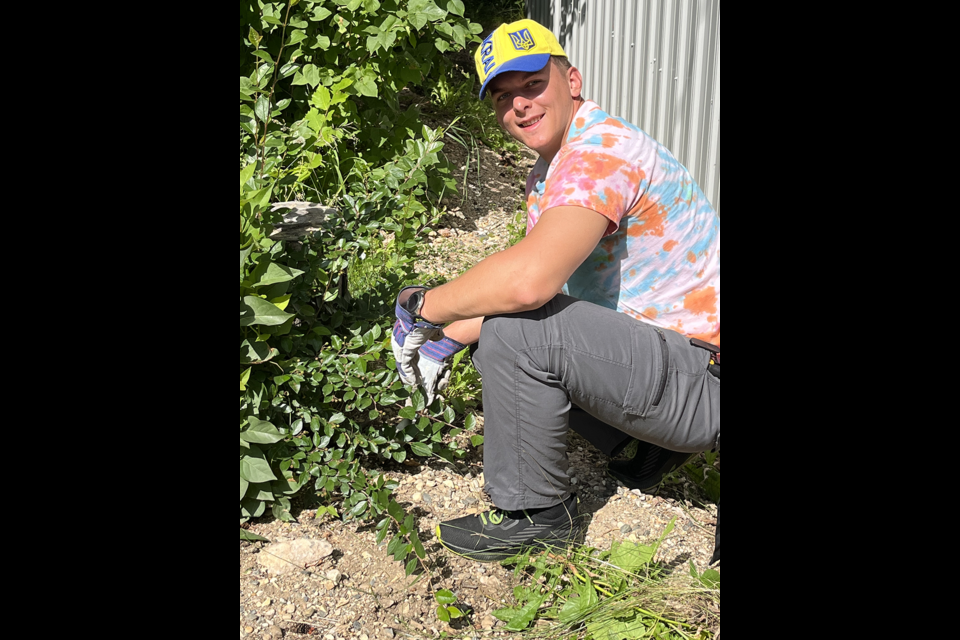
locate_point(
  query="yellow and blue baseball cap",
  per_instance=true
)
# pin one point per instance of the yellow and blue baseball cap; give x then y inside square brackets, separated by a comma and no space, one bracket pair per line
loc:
[520,46]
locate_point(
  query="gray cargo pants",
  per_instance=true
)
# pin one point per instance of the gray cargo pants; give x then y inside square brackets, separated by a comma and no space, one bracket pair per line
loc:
[649,383]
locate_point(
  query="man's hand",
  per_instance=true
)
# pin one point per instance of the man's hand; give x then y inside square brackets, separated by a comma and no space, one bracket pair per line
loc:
[435,366]
[408,336]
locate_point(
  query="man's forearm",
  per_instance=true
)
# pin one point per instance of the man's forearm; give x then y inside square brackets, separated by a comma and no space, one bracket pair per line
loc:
[489,288]
[465,331]
[524,277]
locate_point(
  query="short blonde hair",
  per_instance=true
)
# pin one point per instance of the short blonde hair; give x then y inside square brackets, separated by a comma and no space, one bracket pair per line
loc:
[562,63]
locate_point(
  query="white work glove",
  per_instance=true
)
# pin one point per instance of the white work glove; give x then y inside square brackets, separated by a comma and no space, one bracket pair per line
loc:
[436,359]
[422,352]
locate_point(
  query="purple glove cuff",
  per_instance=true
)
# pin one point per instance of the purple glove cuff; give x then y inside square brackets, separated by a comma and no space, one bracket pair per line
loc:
[442,350]
[407,322]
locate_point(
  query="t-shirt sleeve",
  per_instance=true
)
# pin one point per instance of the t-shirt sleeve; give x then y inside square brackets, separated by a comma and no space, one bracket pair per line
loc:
[595,178]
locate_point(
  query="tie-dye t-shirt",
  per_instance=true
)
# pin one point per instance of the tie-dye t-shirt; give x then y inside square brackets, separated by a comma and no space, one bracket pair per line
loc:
[660,259]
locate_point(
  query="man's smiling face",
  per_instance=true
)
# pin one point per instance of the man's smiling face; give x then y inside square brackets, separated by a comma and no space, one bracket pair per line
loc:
[537,108]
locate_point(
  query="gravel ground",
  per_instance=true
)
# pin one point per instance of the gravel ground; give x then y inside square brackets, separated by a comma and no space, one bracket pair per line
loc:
[358,591]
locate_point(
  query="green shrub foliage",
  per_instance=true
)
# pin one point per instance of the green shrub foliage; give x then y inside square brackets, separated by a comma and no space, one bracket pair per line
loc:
[321,117]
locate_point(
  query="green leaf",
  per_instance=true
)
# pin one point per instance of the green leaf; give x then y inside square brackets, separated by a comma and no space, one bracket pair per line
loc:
[366,87]
[527,614]
[396,512]
[408,413]
[428,9]
[322,98]
[476,440]
[269,273]
[455,613]
[288,69]
[412,566]
[261,433]
[252,537]
[580,607]
[418,546]
[632,628]
[309,75]
[245,174]
[631,557]
[358,509]
[442,614]
[421,450]
[445,597]
[455,7]
[281,510]
[257,311]
[256,352]
[296,37]
[244,485]
[263,55]
[263,108]
[256,470]
[245,378]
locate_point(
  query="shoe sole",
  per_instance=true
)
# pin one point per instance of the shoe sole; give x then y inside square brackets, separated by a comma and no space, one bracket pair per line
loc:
[505,553]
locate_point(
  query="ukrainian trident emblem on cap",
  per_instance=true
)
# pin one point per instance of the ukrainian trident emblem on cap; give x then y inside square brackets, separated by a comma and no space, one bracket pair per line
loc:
[522,40]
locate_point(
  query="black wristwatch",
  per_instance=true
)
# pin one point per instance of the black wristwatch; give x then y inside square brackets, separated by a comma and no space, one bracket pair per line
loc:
[415,303]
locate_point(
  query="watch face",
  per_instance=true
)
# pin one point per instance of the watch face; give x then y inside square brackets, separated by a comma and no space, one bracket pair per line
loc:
[414,303]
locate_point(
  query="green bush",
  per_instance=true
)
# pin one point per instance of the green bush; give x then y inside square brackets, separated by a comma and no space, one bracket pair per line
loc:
[320,82]
[320,116]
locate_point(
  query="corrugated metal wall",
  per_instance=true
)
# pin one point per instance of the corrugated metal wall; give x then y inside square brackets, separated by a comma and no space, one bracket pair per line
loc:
[655,63]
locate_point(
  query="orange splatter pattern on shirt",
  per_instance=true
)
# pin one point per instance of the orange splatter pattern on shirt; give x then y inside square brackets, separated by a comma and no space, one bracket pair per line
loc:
[702,301]
[660,259]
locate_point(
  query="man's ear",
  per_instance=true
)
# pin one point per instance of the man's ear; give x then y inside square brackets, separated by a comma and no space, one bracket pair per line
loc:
[576,82]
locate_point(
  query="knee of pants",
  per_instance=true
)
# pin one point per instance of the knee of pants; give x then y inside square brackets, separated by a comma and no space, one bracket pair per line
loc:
[492,344]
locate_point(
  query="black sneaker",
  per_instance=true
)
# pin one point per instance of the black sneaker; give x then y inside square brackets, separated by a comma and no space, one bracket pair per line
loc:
[647,469]
[498,535]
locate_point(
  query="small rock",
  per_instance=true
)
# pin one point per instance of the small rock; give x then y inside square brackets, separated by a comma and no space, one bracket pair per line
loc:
[290,608]
[274,632]
[390,633]
[626,529]
[449,484]
[427,499]
[488,623]
[417,497]
[288,557]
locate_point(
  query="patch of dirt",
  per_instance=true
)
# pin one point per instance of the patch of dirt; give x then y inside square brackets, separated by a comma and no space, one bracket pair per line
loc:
[491,188]
[360,591]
